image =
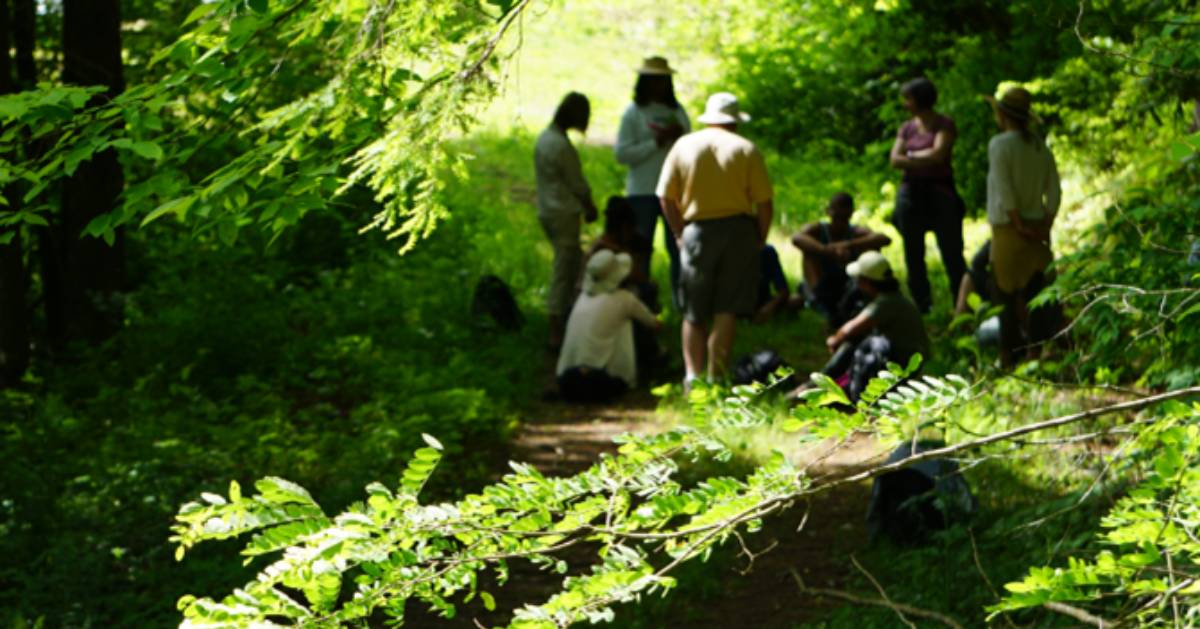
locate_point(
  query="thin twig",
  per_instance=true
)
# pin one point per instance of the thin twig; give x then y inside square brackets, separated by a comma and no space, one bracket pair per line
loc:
[860,600]
[882,593]
[1078,614]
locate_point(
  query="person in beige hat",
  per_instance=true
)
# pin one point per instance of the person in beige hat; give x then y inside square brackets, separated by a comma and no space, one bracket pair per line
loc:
[597,361]
[1023,195]
[717,199]
[888,329]
[649,128]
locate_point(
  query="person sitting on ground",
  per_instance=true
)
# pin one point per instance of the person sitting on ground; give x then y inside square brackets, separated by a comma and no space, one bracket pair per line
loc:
[828,248]
[597,362]
[620,236]
[888,329]
[773,292]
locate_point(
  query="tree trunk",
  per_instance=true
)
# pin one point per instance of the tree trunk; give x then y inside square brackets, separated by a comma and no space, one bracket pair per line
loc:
[14,307]
[24,29]
[83,274]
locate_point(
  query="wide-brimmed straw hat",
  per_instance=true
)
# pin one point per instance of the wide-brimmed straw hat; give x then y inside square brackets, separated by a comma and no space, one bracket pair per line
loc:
[655,66]
[605,271]
[871,265]
[723,108]
[1016,103]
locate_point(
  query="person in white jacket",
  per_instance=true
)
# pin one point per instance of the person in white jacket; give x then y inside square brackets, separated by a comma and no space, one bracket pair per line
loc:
[649,127]
[597,362]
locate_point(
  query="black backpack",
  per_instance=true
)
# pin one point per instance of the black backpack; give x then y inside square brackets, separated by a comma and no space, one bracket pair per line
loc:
[494,305]
[758,367]
[909,504]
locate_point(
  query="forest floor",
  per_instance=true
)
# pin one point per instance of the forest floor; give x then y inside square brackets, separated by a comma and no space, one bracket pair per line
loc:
[756,587]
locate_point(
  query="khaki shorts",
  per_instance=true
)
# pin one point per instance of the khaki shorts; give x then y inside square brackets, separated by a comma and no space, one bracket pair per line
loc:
[719,266]
[1016,259]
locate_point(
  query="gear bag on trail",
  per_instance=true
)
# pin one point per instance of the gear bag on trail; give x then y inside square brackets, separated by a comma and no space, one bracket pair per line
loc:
[493,305]
[909,504]
[758,367]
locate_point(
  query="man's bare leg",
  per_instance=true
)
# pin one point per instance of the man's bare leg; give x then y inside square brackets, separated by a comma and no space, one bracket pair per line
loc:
[694,350]
[720,344]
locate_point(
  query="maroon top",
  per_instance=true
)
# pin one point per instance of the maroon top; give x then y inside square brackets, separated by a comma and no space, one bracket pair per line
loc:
[915,140]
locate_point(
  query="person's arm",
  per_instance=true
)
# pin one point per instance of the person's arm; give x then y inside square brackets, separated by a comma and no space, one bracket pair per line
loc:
[572,171]
[867,240]
[670,210]
[855,328]
[765,212]
[1052,195]
[806,241]
[939,153]
[629,150]
[896,157]
[640,313]
[965,288]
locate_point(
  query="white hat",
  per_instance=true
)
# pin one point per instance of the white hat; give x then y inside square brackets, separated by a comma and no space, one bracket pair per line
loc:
[722,108]
[606,271]
[871,265]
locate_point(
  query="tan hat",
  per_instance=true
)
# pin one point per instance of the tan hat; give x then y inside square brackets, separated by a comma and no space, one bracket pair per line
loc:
[871,265]
[1016,103]
[656,66]
[606,271]
[723,108]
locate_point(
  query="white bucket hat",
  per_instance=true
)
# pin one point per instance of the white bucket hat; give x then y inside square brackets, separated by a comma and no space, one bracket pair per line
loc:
[871,265]
[722,108]
[606,271]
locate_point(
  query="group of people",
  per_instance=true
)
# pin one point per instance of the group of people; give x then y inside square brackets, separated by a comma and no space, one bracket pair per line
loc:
[711,190]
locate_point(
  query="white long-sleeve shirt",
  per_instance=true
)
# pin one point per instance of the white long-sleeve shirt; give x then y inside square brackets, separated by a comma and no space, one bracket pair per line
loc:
[1021,176]
[600,334]
[637,148]
[561,187]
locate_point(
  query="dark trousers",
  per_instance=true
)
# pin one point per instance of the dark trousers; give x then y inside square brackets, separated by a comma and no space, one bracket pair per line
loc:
[1040,325]
[928,207]
[862,360]
[646,212]
[590,385]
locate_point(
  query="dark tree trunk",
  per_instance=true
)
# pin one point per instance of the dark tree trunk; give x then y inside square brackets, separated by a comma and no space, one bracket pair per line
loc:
[14,306]
[24,27]
[83,274]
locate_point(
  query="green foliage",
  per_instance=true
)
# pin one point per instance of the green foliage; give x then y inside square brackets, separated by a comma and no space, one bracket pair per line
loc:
[1146,571]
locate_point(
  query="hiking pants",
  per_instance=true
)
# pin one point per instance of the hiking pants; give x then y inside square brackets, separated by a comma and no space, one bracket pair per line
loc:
[923,207]
[563,232]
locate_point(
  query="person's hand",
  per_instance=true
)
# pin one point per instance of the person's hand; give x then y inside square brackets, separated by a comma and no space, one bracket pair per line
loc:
[841,252]
[666,136]
[832,343]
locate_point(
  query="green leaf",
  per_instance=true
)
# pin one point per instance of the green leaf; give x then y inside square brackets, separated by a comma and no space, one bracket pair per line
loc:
[178,206]
[200,12]
[149,150]
[282,491]
[259,6]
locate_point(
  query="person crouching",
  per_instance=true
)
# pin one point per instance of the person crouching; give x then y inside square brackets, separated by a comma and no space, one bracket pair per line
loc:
[888,329]
[597,362]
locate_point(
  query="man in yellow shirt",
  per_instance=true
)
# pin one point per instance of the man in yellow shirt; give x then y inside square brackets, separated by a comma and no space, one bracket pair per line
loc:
[716,197]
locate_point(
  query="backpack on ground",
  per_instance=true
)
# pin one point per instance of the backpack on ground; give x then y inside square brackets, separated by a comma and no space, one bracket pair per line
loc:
[758,367]
[493,305]
[911,503]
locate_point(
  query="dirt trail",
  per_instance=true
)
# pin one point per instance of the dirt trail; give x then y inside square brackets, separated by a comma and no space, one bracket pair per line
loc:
[561,439]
